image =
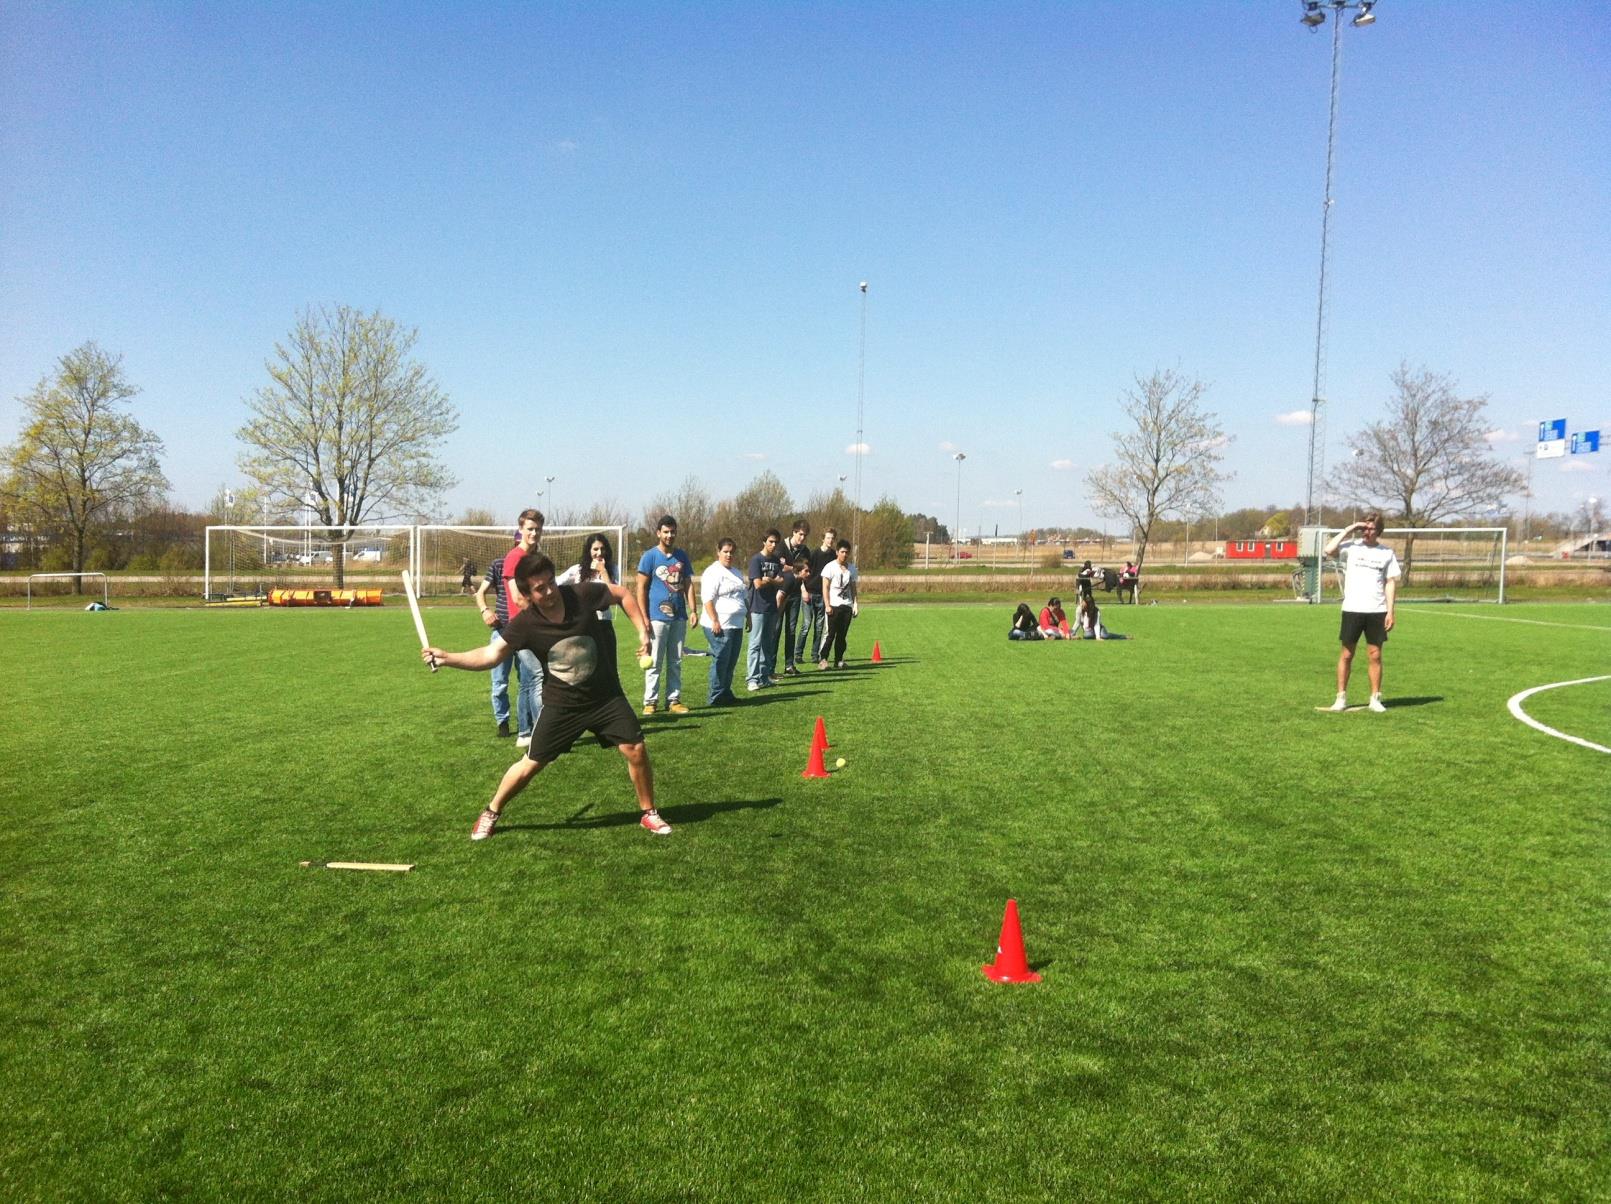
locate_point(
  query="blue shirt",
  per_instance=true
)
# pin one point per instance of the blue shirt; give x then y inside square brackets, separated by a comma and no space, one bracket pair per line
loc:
[667,575]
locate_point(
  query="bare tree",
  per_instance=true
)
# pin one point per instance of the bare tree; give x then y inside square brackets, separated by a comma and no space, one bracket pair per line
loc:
[80,462]
[1168,464]
[1427,461]
[350,421]
[691,506]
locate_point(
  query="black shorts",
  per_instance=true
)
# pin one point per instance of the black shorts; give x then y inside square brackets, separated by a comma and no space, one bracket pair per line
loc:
[1372,626]
[612,723]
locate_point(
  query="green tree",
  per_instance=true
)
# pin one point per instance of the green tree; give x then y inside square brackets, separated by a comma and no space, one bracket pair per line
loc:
[81,463]
[349,421]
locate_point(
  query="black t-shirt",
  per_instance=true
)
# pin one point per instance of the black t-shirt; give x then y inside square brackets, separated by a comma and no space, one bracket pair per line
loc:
[791,585]
[819,560]
[764,600]
[577,652]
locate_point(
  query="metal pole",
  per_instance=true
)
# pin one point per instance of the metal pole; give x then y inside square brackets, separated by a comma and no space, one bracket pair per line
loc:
[1317,416]
[861,381]
[956,532]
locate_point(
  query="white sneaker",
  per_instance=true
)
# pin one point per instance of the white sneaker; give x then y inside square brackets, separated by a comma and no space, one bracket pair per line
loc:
[652,821]
[754,687]
[1340,705]
[1376,703]
[523,740]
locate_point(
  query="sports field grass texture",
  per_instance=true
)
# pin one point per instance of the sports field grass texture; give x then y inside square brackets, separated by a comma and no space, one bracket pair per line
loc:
[1286,955]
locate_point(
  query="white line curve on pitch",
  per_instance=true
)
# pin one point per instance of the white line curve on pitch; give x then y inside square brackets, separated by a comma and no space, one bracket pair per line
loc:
[1516,709]
[1460,614]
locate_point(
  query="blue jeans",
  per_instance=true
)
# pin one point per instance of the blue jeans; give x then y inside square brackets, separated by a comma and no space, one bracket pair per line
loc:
[763,647]
[666,647]
[808,636]
[724,650]
[529,702]
[500,686]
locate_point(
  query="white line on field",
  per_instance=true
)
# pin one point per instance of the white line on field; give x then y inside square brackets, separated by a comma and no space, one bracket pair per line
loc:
[1460,614]
[1516,710]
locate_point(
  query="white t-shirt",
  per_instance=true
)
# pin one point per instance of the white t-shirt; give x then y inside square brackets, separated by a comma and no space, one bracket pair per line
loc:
[1366,572]
[723,588]
[839,584]
[573,576]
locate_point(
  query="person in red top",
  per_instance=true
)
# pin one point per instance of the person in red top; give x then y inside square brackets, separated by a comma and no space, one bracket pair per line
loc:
[1053,622]
[529,701]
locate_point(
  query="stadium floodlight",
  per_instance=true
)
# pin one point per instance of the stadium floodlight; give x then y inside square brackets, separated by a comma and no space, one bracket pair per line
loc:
[1366,17]
[1313,14]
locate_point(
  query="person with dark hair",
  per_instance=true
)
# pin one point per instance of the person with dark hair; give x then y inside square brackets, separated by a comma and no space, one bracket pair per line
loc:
[839,606]
[1086,579]
[791,597]
[809,635]
[1054,622]
[1089,617]
[1024,625]
[722,594]
[665,579]
[466,576]
[1130,582]
[765,576]
[581,686]
[596,563]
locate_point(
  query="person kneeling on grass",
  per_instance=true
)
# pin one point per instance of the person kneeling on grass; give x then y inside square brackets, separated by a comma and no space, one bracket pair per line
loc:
[1024,626]
[581,688]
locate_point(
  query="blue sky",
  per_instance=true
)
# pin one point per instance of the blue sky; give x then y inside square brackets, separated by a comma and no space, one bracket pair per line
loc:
[630,236]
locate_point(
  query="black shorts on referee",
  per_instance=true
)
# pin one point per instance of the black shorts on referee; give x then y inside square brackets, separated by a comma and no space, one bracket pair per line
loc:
[1372,626]
[612,723]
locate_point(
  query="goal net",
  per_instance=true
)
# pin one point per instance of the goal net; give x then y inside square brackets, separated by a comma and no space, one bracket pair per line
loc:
[1439,564]
[246,560]
[45,589]
[446,553]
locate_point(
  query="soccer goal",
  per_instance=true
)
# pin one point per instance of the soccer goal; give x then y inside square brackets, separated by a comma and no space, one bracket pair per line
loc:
[1440,564]
[42,590]
[254,560]
[446,553]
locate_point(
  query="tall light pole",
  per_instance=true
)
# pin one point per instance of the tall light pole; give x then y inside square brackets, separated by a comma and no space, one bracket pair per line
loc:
[861,395]
[956,531]
[1019,494]
[229,519]
[550,492]
[1314,15]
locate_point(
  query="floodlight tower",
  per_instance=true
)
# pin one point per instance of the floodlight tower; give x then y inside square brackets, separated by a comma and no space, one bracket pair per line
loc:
[957,530]
[550,492]
[861,394]
[1314,16]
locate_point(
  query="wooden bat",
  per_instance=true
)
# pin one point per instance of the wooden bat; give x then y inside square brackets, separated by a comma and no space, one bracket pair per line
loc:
[414,608]
[357,865]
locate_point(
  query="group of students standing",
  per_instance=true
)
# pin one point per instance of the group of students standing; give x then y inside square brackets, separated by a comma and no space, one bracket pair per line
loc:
[554,629]
[788,594]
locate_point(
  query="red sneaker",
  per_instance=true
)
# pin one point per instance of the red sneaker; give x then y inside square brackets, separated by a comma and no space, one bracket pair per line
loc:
[484,824]
[652,821]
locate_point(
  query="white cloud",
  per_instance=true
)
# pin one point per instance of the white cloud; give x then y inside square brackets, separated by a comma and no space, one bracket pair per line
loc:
[1502,436]
[854,448]
[754,455]
[1217,441]
[1576,466]
[565,146]
[1062,465]
[1294,418]
[947,446]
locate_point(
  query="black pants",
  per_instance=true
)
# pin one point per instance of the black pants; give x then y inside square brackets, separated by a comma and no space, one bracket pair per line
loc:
[835,627]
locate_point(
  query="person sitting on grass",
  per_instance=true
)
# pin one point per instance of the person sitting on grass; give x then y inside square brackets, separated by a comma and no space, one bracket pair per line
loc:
[1089,617]
[1024,625]
[581,687]
[1053,622]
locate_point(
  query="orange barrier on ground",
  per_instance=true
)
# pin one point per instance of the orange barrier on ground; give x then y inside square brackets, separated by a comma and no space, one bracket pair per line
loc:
[324,597]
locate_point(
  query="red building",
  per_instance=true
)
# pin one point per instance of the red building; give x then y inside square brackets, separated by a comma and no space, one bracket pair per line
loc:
[1261,549]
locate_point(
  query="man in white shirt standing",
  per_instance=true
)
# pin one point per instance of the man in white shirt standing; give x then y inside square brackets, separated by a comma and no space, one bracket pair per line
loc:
[1370,586]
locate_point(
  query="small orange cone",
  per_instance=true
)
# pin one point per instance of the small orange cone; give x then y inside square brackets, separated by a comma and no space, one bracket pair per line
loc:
[1010,964]
[819,738]
[814,767]
[878,654]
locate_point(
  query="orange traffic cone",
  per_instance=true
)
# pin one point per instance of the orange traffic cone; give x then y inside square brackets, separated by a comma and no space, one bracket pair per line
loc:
[1010,964]
[819,738]
[878,655]
[814,767]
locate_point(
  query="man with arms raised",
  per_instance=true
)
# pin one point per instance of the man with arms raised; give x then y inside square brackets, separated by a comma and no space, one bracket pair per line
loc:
[1370,586]
[581,688]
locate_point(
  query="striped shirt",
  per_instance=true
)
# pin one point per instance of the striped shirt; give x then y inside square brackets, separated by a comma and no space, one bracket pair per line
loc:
[494,579]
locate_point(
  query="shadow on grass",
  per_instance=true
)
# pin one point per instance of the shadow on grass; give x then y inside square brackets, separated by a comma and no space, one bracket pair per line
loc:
[1393,704]
[687,813]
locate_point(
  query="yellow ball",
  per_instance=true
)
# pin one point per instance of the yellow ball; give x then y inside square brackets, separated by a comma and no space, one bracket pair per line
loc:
[839,764]
[645,661]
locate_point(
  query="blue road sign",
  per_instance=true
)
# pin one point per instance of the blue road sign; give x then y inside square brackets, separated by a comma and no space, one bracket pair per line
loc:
[1585,441]
[1551,439]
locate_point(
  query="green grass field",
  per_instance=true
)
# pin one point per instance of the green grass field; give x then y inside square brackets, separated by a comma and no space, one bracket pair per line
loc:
[1286,955]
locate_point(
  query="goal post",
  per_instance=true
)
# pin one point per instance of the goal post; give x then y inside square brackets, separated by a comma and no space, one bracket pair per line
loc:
[442,551]
[255,559]
[1440,564]
[106,597]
